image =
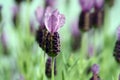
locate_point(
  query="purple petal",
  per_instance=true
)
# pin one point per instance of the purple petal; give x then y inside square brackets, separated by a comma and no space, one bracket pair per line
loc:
[99,3]
[53,20]
[39,14]
[52,23]
[95,69]
[86,5]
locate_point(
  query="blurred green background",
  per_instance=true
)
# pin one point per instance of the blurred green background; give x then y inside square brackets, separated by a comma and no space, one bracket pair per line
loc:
[24,59]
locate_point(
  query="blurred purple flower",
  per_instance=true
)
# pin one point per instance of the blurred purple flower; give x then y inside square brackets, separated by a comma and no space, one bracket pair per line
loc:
[118,32]
[99,4]
[86,5]
[74,28]
[95,69]
[15,10]
[15,13]
[4,39]
[39,13]
[50,3]
[21,77]
[90,50]
[76,36]
[53,20]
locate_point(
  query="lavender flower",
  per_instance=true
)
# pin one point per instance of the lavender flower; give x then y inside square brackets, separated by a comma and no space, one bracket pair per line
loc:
[50,3]
[85,16]
[76,36]
[90,50]
[95,70]
[4,41]
[116,52]
[99,4]
[48,68]
[53,21]
[98,15]
[42,31]
[15,12]
[86,5]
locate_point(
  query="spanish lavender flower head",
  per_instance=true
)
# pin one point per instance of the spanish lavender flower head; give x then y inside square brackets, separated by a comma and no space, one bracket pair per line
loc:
[95,69]
[53,20]
[39,13]
[86,5]
[99,4]
[50,3]
[118,33]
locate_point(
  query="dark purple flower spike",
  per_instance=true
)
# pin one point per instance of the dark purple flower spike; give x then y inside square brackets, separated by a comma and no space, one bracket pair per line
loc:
[95,71]
[85,16]
[98,15]
[48,68]
[76,36]
[116,52]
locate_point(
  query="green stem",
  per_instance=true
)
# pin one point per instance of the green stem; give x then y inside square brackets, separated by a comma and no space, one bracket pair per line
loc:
[44,66]
[52,68]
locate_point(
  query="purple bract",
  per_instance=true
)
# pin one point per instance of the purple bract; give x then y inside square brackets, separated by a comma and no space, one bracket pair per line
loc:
[53,20]
[86,5]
